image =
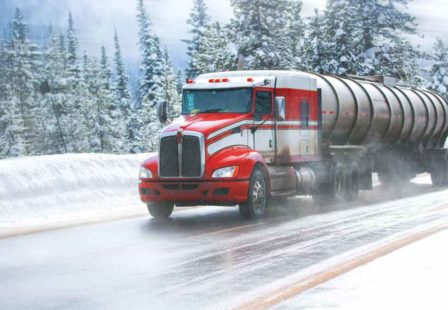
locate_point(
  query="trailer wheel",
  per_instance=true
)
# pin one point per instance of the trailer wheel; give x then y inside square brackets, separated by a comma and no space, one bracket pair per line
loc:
[160,210]
[257,197]
[334,189]
[439,177]
[351,190]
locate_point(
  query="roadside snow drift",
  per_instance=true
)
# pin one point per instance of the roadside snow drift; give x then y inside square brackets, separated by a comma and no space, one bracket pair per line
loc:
[52,189]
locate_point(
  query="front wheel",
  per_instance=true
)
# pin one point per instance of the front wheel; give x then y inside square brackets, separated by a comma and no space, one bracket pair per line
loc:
[160,210]
[257,197]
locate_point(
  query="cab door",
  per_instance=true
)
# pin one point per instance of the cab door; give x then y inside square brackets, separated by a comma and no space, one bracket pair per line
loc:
[263,125]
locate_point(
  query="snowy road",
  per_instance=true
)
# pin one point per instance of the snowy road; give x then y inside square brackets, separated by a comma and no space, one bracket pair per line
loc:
[205,258]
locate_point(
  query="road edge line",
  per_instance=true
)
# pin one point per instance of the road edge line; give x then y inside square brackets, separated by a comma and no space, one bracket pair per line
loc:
[292,290]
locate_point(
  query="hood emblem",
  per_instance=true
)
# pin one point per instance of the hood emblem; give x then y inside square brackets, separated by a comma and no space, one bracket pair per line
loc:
[179,136]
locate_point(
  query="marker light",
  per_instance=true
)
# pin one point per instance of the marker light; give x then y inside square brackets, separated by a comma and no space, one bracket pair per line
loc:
[225,80]
[250,80]
[211,80]
[189,81]
[217,80]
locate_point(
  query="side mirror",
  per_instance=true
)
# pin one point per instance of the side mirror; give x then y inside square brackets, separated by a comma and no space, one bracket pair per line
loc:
[280,113]
[162,112]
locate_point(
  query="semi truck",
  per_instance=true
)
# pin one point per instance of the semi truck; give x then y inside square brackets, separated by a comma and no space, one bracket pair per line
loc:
[248,138]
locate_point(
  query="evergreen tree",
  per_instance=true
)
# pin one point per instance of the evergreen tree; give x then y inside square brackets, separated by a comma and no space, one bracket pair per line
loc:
[199,22]
[122,94]
[53,134]
[381,27]
[22,74]
[213,52]
[151,82]
[170,94]
[114,127]
[439,72]
[262,31]
[11,127]
[76,102]
[10,120]
[292,54]
[72,42]
[315,46]
[340,26]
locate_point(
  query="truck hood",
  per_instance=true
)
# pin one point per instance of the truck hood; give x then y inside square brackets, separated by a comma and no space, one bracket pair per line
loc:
[205,123]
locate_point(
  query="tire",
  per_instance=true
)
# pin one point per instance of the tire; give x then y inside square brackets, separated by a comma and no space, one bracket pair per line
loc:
[351,190]
[257,197]
[439,178]
[160,210]
[333,190]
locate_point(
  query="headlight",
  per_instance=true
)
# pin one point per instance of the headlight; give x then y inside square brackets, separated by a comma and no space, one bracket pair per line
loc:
[227,172]
[145,173]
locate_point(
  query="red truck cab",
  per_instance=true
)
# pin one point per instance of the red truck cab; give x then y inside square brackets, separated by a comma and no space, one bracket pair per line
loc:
[236,142]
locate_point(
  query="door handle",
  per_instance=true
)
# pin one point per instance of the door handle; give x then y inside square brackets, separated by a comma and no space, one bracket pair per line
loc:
[270,143]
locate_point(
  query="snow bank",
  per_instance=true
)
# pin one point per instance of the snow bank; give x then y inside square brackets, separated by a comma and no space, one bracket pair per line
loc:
[52,189]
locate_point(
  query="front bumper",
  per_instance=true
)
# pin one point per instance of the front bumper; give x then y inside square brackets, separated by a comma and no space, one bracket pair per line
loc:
[194,192]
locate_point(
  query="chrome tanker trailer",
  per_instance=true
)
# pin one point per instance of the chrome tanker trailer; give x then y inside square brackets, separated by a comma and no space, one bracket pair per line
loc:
[247,137]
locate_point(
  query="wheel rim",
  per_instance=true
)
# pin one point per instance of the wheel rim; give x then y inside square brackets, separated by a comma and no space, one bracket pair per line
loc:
[258,196]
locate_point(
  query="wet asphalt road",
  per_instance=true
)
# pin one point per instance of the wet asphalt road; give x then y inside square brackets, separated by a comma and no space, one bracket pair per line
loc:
[203,258]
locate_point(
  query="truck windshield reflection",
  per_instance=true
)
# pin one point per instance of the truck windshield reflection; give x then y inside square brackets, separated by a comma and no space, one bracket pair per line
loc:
[236,100]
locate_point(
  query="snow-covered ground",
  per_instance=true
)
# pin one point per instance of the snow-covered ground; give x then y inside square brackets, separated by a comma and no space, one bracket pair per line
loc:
[413,277]
[59,189]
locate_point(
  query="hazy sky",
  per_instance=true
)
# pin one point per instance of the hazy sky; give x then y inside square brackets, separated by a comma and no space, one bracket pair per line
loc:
[95,20]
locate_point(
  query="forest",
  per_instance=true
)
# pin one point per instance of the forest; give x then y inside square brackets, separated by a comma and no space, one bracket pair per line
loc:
[55,98]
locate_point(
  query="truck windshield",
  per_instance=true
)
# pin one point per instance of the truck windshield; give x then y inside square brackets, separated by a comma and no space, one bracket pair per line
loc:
[236,100]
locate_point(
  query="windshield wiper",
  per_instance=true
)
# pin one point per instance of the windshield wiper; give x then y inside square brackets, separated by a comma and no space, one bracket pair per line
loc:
[213,110]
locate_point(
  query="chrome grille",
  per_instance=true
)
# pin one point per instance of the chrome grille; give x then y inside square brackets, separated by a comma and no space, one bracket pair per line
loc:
[183,159]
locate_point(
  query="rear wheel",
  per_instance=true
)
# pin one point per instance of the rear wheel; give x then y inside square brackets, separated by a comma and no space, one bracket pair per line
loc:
[351,190]
[439,177]
[257,197]
[333,190]
[160,210]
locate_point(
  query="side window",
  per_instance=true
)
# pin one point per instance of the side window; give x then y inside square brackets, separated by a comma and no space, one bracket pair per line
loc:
[263,103]
[304,113]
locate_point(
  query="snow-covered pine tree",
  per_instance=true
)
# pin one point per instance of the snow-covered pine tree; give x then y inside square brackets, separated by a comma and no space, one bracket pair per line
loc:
[180,80]
[22,74]
[151,81]
[72,45]
[315,45]
[113,131]
[99,106]
[438,81]
[11,126]
[381,27]
[262,32]
[122,94]
[77,97]
[10,120]
[53,134]
[214,52]
[198,22]
[292,57]
[170,94]
[88,88]
[340,27]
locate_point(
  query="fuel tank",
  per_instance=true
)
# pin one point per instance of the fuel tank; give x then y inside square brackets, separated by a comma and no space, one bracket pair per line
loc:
[376,111]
